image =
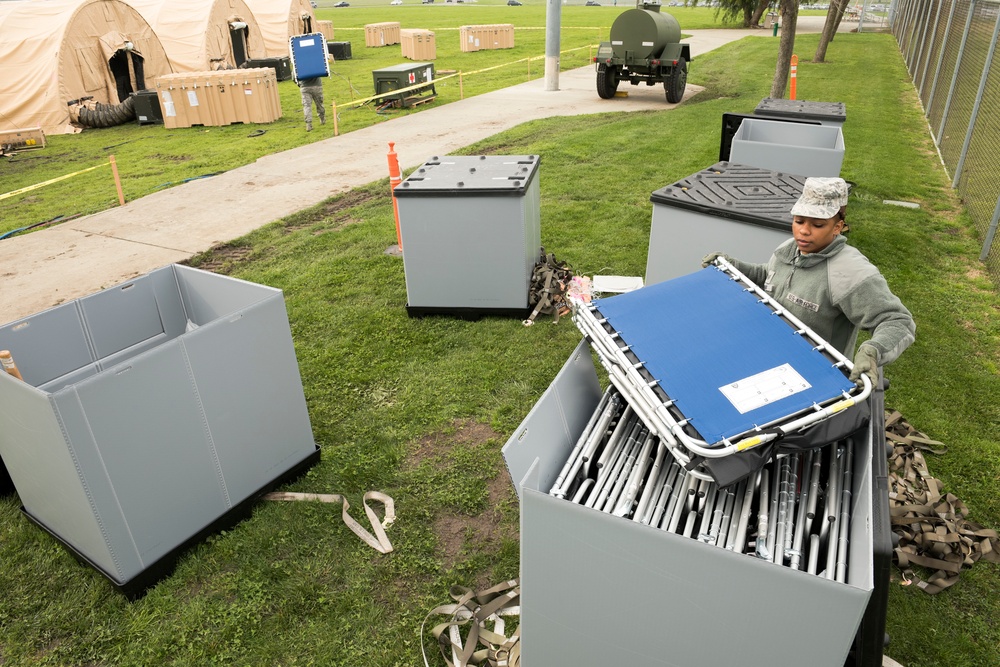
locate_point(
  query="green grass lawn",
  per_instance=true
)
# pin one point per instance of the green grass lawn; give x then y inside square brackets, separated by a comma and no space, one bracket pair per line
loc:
[151,157]
[418,408]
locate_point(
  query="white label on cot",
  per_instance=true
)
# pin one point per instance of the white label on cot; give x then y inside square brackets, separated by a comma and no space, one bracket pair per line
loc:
[763,388]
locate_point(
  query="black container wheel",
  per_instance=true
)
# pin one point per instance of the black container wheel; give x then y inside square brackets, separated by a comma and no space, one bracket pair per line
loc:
[675,84]
[607,81]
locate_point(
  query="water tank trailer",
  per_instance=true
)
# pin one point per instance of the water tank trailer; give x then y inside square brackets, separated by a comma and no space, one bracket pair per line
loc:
[645,46]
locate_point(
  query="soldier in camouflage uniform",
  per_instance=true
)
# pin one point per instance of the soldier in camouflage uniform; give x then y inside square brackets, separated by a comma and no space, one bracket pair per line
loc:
[312,91]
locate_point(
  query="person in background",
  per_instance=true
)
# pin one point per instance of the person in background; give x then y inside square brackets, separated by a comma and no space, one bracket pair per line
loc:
[312,91]
[830,286]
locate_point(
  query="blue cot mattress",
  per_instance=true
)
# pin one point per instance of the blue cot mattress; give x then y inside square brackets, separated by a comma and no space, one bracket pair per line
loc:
[727,360]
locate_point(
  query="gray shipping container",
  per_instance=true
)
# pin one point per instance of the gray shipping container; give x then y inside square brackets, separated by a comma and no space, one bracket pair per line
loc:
[471,232]
[737,209]
[150,412]
[795,148]
[597,589]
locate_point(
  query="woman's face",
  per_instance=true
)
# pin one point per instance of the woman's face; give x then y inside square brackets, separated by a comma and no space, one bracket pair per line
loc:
[814,234]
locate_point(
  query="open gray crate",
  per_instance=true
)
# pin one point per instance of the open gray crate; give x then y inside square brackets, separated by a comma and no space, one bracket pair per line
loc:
[150,412]
[794,148]
[596,587]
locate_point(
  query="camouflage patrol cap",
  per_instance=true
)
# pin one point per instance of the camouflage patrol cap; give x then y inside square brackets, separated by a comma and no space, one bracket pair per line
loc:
[821,198]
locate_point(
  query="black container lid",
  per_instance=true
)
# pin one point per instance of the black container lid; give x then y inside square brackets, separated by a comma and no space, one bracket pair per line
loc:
[834,111]
[736,191]
[402,67]
[473,175]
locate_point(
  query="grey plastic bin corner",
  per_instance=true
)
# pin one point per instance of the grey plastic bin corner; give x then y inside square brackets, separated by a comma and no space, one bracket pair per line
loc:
[828,113]
[471,233]
[596,587]
[737,209]
[796,148]
[150,411]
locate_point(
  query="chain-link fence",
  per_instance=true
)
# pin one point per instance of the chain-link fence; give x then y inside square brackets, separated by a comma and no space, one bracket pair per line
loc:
[949,47]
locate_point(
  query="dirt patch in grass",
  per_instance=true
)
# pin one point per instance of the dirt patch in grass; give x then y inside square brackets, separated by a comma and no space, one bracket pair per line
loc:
[222,259]
[435,447]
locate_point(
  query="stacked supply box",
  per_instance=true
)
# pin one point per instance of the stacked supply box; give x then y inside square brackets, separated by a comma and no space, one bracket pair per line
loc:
[382,34]
[401,77]
[309,56]
[737,209]
[219,98]
[481,37]
[325,27]
[471,233]
[282,66]
[797,148]
[339,50]
[418,44]
[151,413]
[663,598]
[827,113]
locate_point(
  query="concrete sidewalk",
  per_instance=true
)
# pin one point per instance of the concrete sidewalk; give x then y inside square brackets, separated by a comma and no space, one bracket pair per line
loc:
[48,267]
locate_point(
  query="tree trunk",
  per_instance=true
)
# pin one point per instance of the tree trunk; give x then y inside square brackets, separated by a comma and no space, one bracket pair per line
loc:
[759,12]
[829,27]
[840,17]
[789,17]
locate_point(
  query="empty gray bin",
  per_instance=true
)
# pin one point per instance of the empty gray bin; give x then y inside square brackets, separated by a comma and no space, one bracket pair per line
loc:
[471,233]
[833,114]
[596,587]
[807,150]
[737,209]
[150,412]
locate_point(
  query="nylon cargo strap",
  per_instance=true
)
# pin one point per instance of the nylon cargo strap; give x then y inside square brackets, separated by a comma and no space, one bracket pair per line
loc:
[379,541]
[932,526]
[547,293]
[477,611]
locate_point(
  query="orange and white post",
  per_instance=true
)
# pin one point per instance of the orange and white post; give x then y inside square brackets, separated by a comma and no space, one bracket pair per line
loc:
[395,178]
[793,74]
[118,181]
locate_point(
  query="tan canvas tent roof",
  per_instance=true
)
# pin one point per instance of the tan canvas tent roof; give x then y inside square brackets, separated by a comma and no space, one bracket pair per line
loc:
[281,19]
[55,51]
[201,35]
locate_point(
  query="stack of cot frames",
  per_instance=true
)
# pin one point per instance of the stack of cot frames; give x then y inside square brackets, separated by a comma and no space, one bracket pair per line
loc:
[673,402]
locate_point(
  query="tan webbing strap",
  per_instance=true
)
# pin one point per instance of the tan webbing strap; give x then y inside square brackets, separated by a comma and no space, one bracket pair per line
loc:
[550,279]
[379,541]
[477,611]
[933,529]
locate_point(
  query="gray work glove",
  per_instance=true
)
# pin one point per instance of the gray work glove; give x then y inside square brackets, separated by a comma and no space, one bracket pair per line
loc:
[710,258]
[865,363]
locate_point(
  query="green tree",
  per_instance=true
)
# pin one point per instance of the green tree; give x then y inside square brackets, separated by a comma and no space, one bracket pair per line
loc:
[744,11]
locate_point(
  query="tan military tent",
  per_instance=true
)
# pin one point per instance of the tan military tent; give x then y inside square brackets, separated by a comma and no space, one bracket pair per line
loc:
[201,35]
[54,51]
[281,19]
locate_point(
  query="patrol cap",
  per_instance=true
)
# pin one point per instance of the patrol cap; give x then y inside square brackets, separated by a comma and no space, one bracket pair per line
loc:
[821,198]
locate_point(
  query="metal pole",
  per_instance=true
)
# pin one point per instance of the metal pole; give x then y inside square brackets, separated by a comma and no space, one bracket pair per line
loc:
[979,100]
[911,30]
[923,41]
[861,19]
[990,233]
[553,15]
[937,69]
[958,63]
[923,73]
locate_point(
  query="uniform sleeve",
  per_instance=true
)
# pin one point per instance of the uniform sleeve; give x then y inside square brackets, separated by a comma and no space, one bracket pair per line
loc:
[755,272]
[873,307]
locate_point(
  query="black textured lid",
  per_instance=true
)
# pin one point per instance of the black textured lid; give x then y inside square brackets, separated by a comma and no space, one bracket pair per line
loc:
[737,191]
[770,106]
[461,175]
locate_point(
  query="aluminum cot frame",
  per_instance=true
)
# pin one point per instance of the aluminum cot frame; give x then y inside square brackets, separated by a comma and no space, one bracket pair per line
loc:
[659,411]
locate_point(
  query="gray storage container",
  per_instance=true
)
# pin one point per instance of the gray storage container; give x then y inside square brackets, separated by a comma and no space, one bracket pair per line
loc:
[827,113]
[808,150]
[596,587]
[737,209]
[471,233]
[150,412]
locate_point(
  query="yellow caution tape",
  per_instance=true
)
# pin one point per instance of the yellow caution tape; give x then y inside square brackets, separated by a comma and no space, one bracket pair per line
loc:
[51,181]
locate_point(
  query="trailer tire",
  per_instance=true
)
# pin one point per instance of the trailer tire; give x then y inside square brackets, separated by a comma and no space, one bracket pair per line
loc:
[677,82]
[607,81]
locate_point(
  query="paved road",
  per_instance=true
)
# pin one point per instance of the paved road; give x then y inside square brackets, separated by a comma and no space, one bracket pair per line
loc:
[48,267]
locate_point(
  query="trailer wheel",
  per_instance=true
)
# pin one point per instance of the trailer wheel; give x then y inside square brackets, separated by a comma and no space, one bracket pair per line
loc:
[674,86]
[607,81]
